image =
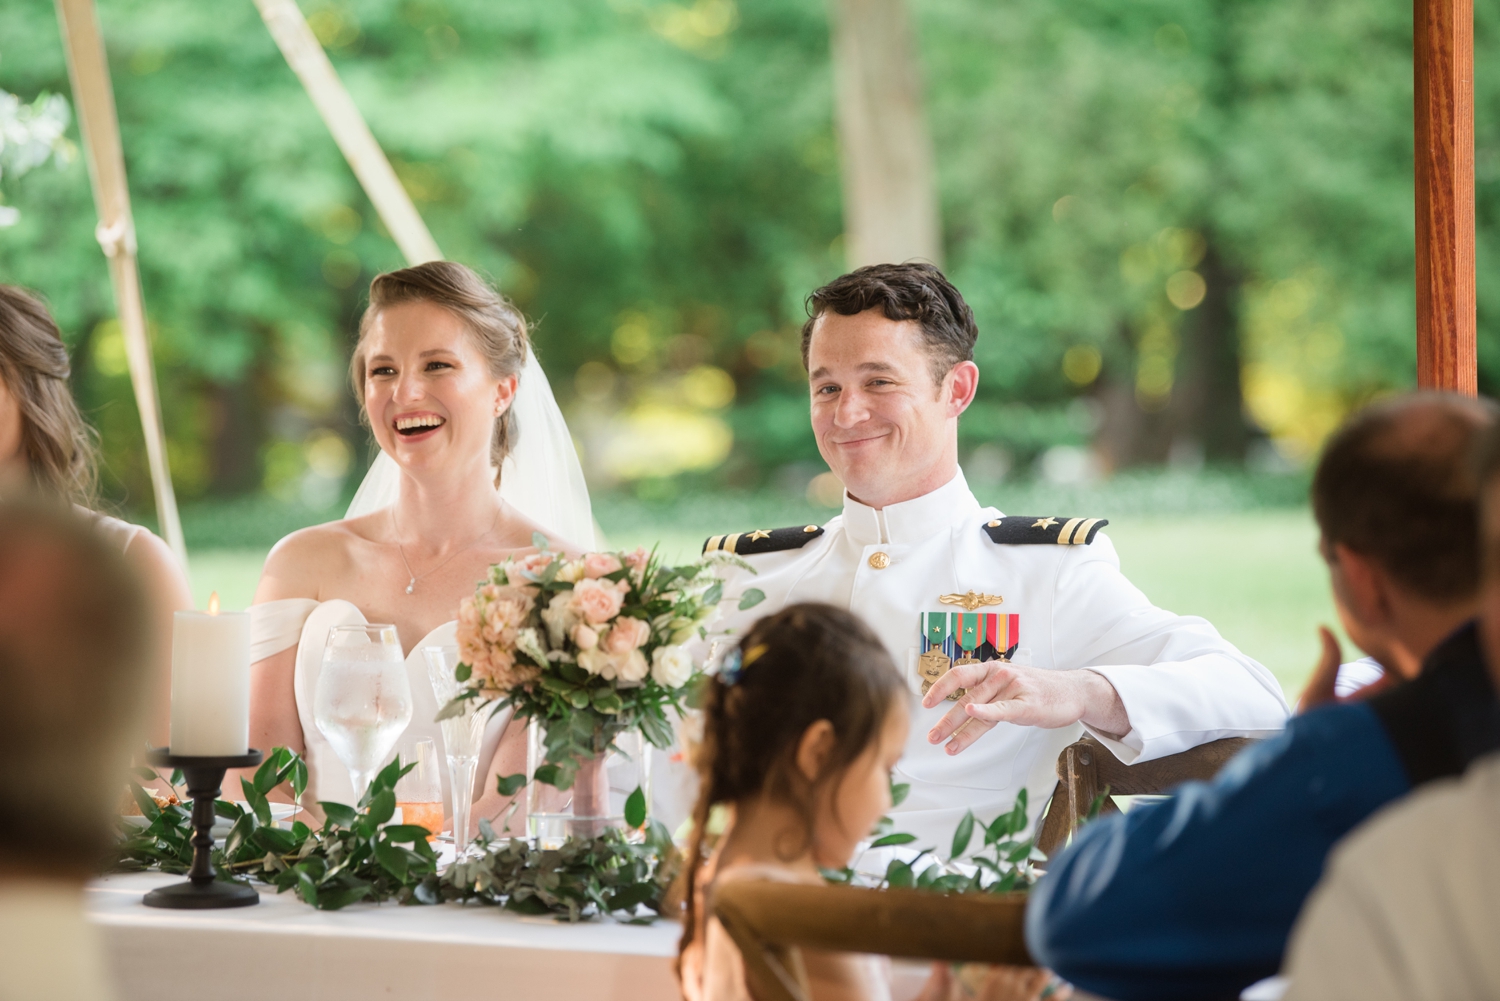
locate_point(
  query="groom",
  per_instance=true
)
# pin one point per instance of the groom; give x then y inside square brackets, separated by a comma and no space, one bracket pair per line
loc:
[1014,631]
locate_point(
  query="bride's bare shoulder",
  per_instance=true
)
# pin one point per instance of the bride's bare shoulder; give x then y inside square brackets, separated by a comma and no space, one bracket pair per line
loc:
[300,562]
[518,532]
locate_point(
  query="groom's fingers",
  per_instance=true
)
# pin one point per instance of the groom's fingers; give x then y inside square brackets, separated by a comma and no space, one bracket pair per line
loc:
[959,726]
[985,678]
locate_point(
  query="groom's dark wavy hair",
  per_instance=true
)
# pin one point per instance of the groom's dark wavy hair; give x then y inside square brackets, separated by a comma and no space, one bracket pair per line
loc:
[913,291]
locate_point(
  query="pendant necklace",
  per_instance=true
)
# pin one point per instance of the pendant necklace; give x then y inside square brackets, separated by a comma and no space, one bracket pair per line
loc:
[411,585]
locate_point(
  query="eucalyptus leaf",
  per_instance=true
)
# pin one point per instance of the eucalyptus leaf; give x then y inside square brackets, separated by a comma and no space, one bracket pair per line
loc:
[893,839]
[509,785]
[962,834]
[635,808]
[539,541]
[455,708]
[753,596]
[382,807]
[338,813]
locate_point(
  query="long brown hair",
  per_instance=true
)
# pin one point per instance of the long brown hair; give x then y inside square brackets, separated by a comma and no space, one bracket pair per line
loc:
[59,445]
[498,327]
[806,663]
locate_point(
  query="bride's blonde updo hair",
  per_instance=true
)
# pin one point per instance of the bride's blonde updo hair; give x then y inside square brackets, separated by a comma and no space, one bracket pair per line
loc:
[498,328]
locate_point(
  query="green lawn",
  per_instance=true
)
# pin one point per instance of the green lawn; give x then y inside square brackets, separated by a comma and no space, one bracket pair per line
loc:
[1253,574]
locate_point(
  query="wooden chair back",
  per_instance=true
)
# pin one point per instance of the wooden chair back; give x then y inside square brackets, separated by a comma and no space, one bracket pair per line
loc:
[1086,768]
[771,922]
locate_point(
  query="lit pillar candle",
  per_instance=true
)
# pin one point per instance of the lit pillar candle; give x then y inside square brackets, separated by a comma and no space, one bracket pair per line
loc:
[210,682]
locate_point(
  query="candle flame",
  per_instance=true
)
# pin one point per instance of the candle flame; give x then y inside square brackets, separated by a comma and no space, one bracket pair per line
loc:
[213,603]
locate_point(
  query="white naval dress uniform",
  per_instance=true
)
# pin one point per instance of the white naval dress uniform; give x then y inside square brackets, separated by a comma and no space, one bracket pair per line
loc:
[1181,683]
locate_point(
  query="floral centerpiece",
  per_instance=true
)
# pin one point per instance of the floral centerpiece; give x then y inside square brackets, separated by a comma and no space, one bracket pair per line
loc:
[587,649]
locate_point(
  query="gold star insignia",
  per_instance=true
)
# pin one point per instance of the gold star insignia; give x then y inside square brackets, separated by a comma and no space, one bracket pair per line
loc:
[1044,523]
[759,533]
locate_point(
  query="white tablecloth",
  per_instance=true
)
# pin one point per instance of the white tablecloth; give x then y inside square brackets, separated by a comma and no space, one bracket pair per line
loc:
[285,950]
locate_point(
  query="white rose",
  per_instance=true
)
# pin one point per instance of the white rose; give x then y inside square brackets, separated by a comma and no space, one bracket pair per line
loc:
[560,617]
[671,666]
[598,662]
[571,571]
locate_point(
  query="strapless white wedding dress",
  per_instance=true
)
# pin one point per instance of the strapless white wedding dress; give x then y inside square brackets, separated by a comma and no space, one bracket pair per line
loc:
[305,623]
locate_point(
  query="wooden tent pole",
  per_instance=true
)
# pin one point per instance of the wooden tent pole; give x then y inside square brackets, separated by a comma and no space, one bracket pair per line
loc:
[308,60]
[92,95]
[1443,68]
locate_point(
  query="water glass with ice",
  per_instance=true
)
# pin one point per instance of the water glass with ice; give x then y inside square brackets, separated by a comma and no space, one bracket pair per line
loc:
[363,700]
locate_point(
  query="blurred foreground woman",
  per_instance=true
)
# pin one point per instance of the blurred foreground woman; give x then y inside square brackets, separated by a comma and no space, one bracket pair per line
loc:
[436,371]
[74,645]
[47,449]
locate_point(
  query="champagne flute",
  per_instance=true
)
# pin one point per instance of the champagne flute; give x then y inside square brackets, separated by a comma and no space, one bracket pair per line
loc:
[363,700]
[462,736]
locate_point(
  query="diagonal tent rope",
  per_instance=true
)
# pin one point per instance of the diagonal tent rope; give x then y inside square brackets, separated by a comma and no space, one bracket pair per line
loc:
[305,55]
[100,126]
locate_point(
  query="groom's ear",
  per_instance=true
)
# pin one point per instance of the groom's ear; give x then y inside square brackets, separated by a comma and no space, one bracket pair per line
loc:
[959,387]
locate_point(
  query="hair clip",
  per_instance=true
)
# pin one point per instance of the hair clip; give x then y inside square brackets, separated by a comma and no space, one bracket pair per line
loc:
[732,668]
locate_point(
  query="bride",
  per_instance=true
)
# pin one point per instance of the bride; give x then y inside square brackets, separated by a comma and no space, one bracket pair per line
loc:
[441,369]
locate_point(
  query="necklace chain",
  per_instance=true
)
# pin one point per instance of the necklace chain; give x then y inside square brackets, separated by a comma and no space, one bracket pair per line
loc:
[411,585]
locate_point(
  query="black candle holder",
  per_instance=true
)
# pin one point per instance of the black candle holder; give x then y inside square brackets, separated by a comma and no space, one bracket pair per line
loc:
[204,777]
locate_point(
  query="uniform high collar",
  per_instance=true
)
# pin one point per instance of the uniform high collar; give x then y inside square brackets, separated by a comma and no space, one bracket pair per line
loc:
[910,521]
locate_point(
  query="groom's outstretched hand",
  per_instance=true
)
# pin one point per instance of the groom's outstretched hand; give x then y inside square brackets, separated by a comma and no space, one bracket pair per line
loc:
[998,692]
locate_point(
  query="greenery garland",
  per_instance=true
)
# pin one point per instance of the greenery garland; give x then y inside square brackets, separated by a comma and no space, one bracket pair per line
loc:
[359,855]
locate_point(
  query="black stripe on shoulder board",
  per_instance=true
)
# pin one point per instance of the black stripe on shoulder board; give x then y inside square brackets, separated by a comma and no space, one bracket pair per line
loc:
[763,540]
[1029,530]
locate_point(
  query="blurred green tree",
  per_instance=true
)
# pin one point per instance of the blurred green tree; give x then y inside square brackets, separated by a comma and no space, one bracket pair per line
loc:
[1180,225]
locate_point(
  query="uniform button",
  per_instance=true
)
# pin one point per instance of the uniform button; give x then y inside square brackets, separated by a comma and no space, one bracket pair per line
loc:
[879,561]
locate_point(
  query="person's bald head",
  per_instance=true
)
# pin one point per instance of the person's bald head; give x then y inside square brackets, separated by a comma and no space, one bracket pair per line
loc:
[73,651]
[1397,485]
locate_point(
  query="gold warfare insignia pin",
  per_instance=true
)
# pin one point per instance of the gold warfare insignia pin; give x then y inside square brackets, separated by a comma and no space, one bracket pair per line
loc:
[972,600]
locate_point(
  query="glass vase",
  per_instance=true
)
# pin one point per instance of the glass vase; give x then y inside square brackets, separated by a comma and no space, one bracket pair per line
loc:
[596,800]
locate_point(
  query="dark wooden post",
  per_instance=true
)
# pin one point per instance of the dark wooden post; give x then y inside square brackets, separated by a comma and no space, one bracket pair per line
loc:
[1443,64]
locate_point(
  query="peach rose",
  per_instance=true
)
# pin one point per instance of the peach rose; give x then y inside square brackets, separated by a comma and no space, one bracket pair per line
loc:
[596,565]
[535,563]
[625,635]
[597,601]
[584,637]
[632,668]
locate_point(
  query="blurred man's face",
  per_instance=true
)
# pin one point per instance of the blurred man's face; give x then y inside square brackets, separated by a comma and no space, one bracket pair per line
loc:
[1489,588]
[885,428]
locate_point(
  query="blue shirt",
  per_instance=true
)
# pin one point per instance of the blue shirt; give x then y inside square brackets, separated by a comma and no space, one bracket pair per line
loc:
[1194,897]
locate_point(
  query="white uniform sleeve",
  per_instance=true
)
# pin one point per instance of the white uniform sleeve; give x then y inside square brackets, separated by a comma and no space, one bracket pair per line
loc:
[1182,684]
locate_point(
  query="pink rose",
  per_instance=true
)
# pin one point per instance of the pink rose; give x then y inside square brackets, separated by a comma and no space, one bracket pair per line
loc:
[637,560]
[625,635]
[596,565]
[534,564]
[584,637]
[597,601]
